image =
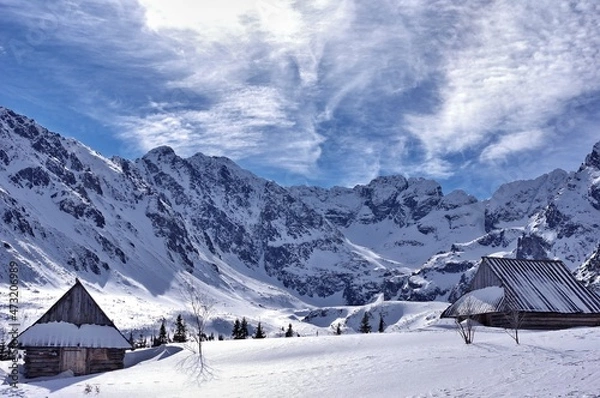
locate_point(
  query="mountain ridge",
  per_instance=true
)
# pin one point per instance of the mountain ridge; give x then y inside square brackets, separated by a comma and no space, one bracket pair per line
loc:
[161,219]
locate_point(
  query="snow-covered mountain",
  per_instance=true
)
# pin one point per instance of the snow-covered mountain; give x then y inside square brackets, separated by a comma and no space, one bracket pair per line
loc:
[149,224]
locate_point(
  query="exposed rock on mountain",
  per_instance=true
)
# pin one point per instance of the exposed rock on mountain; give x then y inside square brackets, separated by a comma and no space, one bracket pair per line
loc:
[66,210]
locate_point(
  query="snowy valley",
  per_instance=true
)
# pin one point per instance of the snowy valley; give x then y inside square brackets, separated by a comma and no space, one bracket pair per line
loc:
[427,362]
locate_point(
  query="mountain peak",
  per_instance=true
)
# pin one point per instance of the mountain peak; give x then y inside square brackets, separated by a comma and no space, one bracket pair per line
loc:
[163,150]
[593,159]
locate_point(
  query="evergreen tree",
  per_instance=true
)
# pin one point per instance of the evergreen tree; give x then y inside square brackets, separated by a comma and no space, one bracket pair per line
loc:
[290,331]
[131,340]
[244,329]
[259,334]
[338,329]
[180,335]
[365,327]
[381,327]
[236,332]
[162,335]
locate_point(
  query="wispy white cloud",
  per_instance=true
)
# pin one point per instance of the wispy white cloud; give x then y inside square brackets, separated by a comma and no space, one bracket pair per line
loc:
[516,72]
[334,92]
[512,144]
[248,123]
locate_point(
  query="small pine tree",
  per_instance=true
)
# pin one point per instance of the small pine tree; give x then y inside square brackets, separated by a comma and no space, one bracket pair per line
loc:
[244,329]
[180,335]
[365,327]
[236,332]
[131,340]
[162,335]
[259,334]
[338,329]
[381,327]
[289,332]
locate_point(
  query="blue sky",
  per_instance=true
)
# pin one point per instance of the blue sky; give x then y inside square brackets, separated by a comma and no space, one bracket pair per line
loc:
[326,92]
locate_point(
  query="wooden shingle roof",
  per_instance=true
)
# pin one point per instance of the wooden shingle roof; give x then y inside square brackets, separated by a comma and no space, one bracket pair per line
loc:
[75,320]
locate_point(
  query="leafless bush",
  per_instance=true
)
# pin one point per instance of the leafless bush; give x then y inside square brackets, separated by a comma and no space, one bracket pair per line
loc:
[465,322]
[200,308]
[515,320]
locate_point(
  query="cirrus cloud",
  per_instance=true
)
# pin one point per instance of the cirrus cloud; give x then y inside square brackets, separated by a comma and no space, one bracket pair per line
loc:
[321,92]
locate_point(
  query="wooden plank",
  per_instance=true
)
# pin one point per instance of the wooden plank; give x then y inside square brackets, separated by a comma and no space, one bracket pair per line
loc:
[73,359]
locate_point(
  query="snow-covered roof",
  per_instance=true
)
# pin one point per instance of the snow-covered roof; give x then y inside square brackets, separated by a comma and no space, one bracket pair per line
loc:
[542,286]
[480,301]
[504,285]
[64,334]
[75,320]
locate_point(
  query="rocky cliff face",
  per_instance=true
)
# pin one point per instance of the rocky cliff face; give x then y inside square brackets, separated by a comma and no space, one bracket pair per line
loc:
[66,210]
[567,227]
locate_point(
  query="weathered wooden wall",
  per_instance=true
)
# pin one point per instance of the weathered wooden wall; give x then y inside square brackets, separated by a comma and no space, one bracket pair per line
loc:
[46,361]
[105,359]
[76,307]
[541,320]
[42,361]
[484,277]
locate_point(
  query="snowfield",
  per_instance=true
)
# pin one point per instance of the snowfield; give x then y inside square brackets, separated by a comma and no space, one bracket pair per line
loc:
[428,362]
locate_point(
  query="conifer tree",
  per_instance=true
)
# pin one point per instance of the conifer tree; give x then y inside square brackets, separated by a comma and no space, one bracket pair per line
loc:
[131,340]
[244,329]
[162,335]
[180,335]
[236,332]
[365,327]
[290,331]
[381,327]
[259,334]
[338,329]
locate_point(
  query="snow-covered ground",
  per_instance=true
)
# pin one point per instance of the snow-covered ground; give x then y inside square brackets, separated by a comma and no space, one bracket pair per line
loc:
[425,362]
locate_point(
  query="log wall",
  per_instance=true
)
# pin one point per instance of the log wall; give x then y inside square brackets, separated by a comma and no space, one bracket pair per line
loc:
[46,361]
[541,320]
[105,359]
[41,361]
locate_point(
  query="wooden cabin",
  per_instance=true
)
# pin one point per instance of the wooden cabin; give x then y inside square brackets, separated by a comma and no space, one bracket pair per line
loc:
[540,294]
[74,334]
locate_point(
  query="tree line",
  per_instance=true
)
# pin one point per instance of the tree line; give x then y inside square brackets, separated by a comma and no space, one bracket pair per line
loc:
[240,331]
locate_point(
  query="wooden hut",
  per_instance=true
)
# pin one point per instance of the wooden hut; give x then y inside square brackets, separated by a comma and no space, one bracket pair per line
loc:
[538,294]
[74,334]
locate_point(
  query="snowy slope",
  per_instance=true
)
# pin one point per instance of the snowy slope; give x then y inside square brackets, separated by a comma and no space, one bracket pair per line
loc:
[430,362]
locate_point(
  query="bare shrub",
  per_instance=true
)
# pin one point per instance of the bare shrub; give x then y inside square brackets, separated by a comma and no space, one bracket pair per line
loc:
[465,322]
[515,320]
[200,308]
